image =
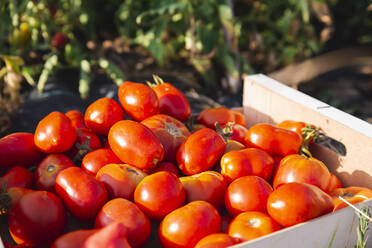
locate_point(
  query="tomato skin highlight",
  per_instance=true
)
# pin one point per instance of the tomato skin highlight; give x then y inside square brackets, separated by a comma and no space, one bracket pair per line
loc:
[217,240]
[17,177]
[95,160]
[73,239]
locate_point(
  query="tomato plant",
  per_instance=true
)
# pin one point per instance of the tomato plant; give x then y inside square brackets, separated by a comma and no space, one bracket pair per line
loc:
[95,160]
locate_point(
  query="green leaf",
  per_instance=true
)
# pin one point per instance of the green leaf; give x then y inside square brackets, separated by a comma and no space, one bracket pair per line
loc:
[13,63]
[49,64]
[112,71]
[158,51]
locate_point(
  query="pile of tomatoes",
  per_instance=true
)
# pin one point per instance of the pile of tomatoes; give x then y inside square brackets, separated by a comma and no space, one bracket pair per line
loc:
[132,174]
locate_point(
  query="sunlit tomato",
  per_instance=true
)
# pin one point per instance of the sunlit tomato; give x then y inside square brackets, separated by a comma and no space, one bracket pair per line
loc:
[159,194]
[73,239]
[112,236]
[37,218]
[200,151]
[172,101]
[334,183]
[169,131]
[238,133]
[102,114]
[293,203]
[82,194]
[351,194]
[250,225]
[221,115]
[135,144]
[77,118]
[295,126]
[250,161]
[138,100]
[297,168]
[17,177]
[48,169]
[274,140]
[166,166]
[247,193]
[126,212]
[95,160]
[86,141]
[239,118]
[185,226]
[18,149]
[120,180]
[55,133]
[217,240]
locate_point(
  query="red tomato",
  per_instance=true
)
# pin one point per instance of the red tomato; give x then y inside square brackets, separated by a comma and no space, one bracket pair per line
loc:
[169,131]
[48,169]
[77,118]
[18,149]
[334,183]
[125,212]
[17,177]
[82,194]
[274,140]
[294,203]
[73,239]
[86,141]
[233,145]
[247,193]
[221,115]
[250,161]
[250,225]
[37,218]
[217,240]
[200,151]
[166,166]
[295,126]
[102,114]
[238,133]
[95,160]
[159,194]
[138,100]
[13,195]
[112,236]
[239,118]
[120,180]
[172,101]
[135,144]
[55,133]
[351,194]
[208,186]
[297,168]
[185,226]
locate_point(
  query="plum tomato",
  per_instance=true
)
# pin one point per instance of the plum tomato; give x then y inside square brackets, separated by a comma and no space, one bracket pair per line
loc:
[86,141]
[95,160]
[295,126]
[126,212]
[111,236]
[294,203]
[185,226]
[120,180]
[233,145]
[334,183]
[238,133]
[251,224]
[11,197]
[77,119]
[200,151]
[135,144]
[102,114]
[239,118]
[298,168]
[159,194]
[55,133]
[18,149]
[274,140]
[73,239]
[166,166]
[221,115]
[138,100]
[247,193]
[217,240]
[17,177]
[351,194]
[82,194]
[169,131]
[48,169]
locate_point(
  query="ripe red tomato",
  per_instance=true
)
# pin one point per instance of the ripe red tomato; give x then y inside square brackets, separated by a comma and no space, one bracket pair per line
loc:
[185,226]
[334,183]
[37,218]
[250,225]
[200,151]
[233,145]
[250,161]
[120,180]
[217,240]
[159,194]
[95,160]
[17,177]
[73,239]
[238,133]
[294,203]
[135,144]
[86,141]
[208,186]
[12,196]
[18,149]
[297,168]
[55,133]
[102,114]
[82,194]
[125,212]
[171,100]
[166,166]
[221,115]
[239,118]
[247,193]
[77,119]
[295,126]
[351,194]
[169,131]
[274,140]
[113,236]
[59,41]
[48,169]
[138,100]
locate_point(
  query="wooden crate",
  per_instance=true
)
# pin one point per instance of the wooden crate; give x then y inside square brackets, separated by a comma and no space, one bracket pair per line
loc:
[266,100]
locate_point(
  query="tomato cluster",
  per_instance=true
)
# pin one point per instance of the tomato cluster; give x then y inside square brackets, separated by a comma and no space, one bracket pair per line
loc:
[124,181]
